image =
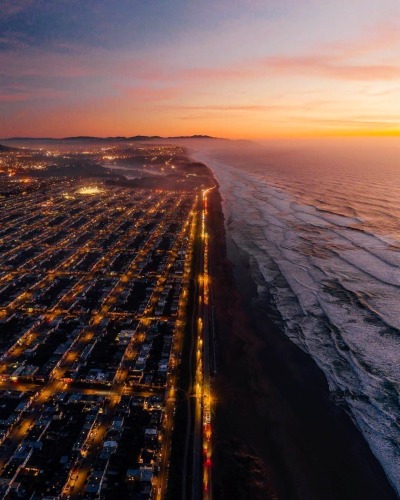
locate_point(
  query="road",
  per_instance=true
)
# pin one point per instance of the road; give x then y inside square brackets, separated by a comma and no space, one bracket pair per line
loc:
[208,360]
[198,445]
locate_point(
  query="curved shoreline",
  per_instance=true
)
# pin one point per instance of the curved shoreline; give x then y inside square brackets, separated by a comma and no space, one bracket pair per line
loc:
[279,435]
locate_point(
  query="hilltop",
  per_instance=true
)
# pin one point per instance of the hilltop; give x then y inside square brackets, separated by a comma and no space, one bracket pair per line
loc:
[4,149]
[108,139]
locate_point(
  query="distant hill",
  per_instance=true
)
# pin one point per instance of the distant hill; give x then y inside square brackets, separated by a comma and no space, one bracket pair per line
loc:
[102,139]
[4,149]
[193,137]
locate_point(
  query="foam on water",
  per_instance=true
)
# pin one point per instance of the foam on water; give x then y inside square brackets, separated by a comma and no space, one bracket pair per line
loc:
[335,282]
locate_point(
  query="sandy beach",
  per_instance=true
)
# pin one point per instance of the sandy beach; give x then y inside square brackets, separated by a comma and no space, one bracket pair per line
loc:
[279,435]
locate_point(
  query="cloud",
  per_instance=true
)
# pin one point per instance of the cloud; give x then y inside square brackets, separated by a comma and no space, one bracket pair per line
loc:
[246,87]
[325,66]
[12,7]
[19,93]
[375,38]
[364,122]
[13,41]
[155,78]
[322,66]
[4,97]
[230,107]
[49,64]
[357,59]
[152,94]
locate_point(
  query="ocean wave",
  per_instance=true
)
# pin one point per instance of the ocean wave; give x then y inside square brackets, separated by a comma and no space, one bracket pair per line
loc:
[334,282]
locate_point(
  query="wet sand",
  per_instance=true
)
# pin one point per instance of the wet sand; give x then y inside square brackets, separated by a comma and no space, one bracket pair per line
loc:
[278,434]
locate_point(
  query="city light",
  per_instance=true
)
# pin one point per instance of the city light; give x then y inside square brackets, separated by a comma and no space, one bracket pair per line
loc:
[90,190]
[97,291]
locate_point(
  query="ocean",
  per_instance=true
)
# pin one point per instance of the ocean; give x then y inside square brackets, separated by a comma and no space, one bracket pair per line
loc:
[321,227]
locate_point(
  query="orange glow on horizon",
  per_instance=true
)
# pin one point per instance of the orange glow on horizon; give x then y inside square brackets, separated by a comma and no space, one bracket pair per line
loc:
[338,79]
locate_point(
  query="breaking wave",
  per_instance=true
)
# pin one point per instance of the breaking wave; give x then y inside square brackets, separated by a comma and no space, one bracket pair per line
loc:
[329,256]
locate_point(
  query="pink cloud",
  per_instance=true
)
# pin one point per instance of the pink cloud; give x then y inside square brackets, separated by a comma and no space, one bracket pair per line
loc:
[324,66]
[18,93]
[318,65]
[342,60]
[233,107]
[382,36]
[13,97]
[153,80]
[152,94]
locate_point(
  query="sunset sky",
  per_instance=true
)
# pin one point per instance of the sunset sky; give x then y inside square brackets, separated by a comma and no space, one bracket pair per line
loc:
[229,68]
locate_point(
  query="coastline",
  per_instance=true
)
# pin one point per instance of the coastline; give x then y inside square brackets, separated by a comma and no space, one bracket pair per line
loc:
[278,433]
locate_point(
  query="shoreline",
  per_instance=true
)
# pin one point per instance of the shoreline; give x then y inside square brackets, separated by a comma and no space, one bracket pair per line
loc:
[278,433]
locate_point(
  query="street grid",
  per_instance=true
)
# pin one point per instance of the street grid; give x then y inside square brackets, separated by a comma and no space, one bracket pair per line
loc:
[92,291]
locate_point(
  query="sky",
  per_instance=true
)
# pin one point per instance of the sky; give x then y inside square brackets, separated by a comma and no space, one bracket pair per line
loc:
[229,68]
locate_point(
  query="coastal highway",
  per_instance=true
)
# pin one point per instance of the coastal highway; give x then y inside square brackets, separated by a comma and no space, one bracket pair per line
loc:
[198,445]
[208,358]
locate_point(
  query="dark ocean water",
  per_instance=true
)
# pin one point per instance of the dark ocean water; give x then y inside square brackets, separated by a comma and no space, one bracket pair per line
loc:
[324,230]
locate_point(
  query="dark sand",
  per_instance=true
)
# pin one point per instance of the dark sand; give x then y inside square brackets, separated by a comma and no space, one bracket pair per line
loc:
[277,433]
